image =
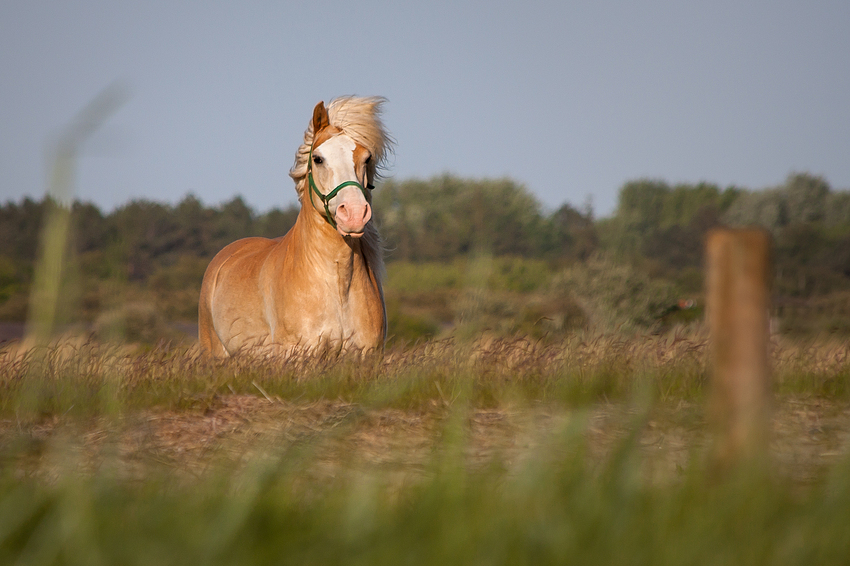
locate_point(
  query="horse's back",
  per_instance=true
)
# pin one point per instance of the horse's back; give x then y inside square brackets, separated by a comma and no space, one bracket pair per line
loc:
[231,304]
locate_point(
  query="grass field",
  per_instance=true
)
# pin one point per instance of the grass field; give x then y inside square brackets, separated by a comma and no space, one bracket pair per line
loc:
[591,449]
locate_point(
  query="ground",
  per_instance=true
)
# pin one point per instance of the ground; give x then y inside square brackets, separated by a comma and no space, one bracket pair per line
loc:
[808,435]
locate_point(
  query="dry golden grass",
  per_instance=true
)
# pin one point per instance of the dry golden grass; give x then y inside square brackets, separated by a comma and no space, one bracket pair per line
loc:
[170,409]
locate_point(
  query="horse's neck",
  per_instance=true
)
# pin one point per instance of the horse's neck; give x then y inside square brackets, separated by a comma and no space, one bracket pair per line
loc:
[326,255]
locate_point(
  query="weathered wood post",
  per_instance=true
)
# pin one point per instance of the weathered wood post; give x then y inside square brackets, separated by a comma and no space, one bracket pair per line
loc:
[738,268]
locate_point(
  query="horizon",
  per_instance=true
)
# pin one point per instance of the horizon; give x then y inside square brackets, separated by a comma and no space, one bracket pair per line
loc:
[544,209]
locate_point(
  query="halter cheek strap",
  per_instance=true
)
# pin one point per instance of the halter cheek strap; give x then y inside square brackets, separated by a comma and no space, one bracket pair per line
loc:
[327,198]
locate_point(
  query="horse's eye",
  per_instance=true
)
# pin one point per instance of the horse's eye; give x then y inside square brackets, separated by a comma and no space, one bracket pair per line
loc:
[368,160]
[318,160]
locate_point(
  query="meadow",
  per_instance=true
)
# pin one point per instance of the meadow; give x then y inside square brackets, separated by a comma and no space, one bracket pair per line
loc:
[590,448]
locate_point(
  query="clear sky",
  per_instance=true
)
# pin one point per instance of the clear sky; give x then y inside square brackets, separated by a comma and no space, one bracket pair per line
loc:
[571,99]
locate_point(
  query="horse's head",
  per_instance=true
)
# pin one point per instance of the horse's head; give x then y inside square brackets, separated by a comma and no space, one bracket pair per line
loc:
[338,171]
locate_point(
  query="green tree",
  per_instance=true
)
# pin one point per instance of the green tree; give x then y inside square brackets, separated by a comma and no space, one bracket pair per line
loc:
[234,220]
[641,204]
[195,225]
[445,217]
[573,234]
[763,208]
[802,198]
[20,228]
[806,197]
[277,222]
[684,201]
[837,209]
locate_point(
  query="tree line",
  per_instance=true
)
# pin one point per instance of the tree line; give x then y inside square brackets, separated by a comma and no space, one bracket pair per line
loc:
[656,226]
[664,226]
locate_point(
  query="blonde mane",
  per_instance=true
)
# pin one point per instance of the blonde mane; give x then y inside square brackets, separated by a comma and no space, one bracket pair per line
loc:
[360,119]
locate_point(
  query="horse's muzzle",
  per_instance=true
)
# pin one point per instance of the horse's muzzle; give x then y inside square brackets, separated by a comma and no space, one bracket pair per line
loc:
[351,218]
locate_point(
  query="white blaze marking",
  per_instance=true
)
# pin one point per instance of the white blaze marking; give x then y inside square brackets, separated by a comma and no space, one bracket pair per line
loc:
[338,154]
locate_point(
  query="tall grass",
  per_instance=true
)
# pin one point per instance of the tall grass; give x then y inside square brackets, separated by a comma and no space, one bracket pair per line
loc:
[498,452]
[80,376]
[559,505]
[84,376]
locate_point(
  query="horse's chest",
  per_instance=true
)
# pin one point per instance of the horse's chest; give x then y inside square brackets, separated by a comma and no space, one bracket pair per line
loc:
[339,323]
[333,316]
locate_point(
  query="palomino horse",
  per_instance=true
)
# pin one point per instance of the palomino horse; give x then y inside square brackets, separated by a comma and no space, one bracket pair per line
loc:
[320,284]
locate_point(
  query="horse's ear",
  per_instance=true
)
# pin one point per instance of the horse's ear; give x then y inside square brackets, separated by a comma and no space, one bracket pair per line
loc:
[320,117]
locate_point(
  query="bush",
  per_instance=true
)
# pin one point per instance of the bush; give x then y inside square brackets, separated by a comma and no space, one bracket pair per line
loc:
[135,323]
[616,296]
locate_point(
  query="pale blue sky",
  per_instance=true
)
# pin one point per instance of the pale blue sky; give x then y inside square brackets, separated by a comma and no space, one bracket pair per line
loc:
[568,98]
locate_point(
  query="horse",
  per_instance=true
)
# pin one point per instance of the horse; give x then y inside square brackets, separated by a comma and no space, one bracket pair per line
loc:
[320,285]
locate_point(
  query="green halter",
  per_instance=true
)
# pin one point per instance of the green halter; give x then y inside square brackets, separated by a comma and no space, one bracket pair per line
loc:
[327,198]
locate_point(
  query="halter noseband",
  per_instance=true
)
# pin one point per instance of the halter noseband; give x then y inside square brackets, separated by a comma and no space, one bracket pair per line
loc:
[327,198]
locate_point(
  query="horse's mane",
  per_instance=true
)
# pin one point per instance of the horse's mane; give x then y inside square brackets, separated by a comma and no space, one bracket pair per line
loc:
[360,119]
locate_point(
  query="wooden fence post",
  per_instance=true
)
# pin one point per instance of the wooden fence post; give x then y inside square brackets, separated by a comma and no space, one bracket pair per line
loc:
[738,268]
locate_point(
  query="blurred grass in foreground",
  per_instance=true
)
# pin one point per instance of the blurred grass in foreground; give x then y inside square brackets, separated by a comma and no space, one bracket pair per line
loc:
[558,506]
[415,457]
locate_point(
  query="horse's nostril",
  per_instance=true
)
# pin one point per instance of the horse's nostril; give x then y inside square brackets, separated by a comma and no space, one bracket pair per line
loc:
[343,212]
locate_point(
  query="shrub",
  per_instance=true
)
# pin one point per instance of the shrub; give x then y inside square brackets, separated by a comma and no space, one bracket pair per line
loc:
[615,295]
